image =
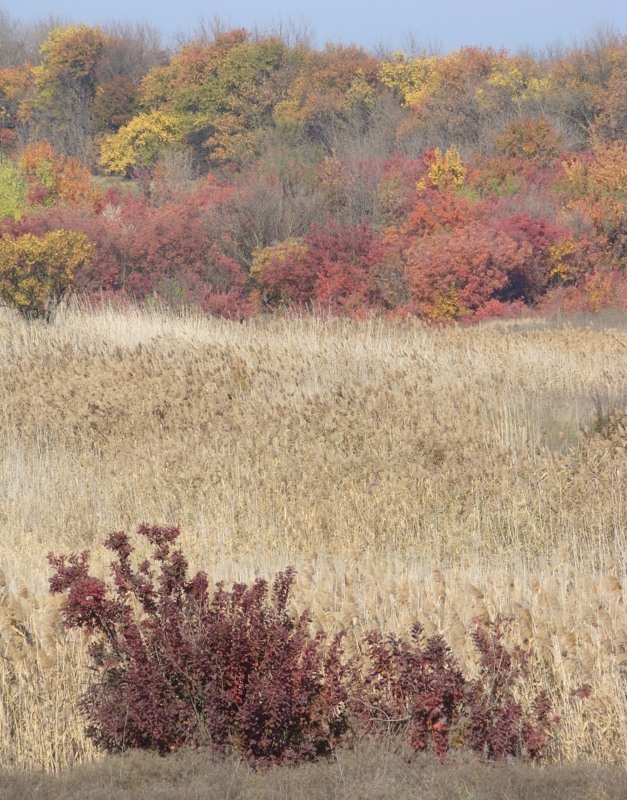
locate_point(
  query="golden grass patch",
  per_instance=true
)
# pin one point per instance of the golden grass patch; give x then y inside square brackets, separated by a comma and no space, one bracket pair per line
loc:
[406,472]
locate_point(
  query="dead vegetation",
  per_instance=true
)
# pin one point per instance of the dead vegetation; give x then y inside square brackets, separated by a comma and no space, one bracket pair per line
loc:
[405,472]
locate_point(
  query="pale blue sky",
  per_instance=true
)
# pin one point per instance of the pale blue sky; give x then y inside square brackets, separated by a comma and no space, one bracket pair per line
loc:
[446,25]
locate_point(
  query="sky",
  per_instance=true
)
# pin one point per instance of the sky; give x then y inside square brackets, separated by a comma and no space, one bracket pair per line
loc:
[391,24]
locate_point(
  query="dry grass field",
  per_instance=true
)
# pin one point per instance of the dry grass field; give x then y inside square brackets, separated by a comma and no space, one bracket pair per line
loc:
[406,472]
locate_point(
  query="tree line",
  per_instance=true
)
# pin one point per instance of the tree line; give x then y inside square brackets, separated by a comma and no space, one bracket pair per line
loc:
[245,173]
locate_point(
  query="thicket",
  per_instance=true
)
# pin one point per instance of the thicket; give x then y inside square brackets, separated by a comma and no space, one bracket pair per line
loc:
[246,174]
[177,665]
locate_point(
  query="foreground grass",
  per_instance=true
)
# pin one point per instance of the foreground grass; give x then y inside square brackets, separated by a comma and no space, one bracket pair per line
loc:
[405,472]
[369,773]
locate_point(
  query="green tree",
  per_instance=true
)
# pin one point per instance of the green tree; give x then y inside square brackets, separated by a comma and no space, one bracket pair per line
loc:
[13,188]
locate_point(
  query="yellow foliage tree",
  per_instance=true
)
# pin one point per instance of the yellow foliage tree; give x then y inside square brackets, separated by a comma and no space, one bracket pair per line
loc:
[36,271]
[70,58]
[447,171]
[597,188]
[141,142]
[562,267]
[516,81]
[412,79]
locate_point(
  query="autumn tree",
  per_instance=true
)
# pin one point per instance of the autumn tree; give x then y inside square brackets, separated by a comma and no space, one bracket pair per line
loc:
[610,122]
[530,140]
[53,177]
[516,86]
[36,271]
[411,78]
[59,109]
[594,192]
[218,96]
[441,92]
[333,93]
[141,142]
[129,51]
[15,83]
[580,82]
[446,171]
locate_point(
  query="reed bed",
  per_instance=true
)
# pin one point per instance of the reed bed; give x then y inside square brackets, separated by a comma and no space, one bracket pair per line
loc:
[406,472]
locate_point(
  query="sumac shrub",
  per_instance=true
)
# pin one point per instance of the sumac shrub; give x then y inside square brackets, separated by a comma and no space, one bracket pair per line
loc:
[177,665]
[435,211]
[171,252]
[341,258]
[417,689]
[452,275]
[528,280]
[329,269]
[397,187]
[497,726]
[412,687]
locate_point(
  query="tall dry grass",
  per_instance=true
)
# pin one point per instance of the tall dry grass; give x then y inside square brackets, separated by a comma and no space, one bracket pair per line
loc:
[406,472]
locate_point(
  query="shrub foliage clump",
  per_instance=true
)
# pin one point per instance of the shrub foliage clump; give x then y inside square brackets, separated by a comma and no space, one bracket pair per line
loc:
[236,671]
[178,666]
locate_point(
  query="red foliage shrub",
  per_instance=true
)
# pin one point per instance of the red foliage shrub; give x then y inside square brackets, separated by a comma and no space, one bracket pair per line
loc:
[330,269]
[178,666]
[387,284]
[497,309]
[397,186]
[416,688]
[600,290]
[234,670]
[174,252]
[340,258]
[496,725]
[436,211]
[529,280]
[171,252]
[228,304]
[284,275]
[453,275]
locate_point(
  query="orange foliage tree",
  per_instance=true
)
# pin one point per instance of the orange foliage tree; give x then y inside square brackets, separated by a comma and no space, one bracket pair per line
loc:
[54,177]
